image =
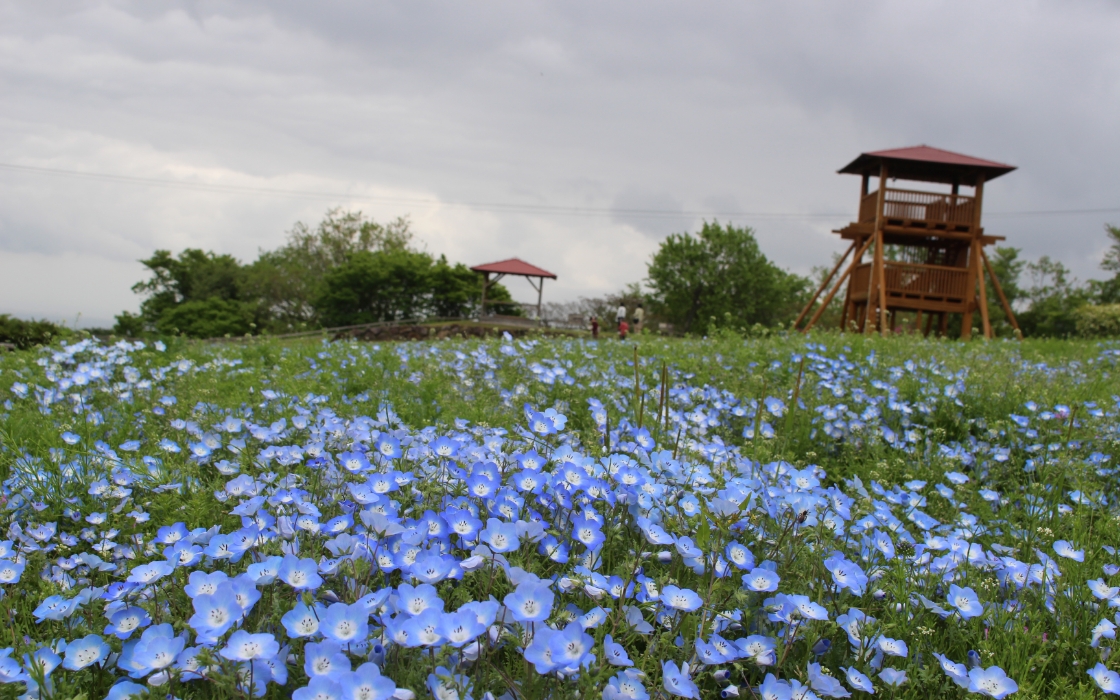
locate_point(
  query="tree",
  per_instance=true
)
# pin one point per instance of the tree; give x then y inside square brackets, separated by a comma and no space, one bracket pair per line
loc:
[194,276]
[289,280]
[1108,291]
[1053,297]
[720,273]
[370,287]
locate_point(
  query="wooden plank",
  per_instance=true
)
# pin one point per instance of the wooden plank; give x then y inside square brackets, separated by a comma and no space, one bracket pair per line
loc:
[824,284]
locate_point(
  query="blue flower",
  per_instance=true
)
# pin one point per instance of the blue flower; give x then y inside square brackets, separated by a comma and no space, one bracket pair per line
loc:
[300,574]
[825,684]
[677,681]
[681,599]
[992,681]
[501,536]
[1065,549]
[625,686]
[345,624]
[461,627]
[615,653]
[214,614]
[530,602]
[587,532]
[302,621]
[126,621]
[366,683]
[10,571]
[761,580]
[84,652]
[1107,681]
[571,648]
[956,672]
[202,583]
[243,646]
[157,649]
[445,684]
[858,680]
[893,677]
[965,601]
[892,647]
[415,600]
[324,659]
[320,688]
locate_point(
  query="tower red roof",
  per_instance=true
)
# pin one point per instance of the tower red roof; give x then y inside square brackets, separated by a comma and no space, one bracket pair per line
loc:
[514,266]
[927,164]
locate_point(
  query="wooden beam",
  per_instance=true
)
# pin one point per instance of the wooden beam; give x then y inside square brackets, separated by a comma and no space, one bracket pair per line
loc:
[836,287]
[824,284]
[999,291]
[882,285]
[983,288]
[880,205]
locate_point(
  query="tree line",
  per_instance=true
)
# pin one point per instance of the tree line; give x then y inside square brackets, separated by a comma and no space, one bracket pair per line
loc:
[347,270]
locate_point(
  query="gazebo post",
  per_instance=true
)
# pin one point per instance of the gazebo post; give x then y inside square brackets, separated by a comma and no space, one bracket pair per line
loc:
[485,286]
[540,295]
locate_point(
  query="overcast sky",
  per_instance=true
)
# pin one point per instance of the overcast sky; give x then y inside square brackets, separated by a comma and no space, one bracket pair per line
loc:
[563,133]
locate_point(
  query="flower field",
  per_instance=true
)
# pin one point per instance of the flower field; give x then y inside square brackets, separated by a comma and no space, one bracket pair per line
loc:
[780,518]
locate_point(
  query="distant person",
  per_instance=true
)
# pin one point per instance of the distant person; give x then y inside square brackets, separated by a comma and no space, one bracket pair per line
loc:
[623,328]
[639,316]
[594,328]
[620,315]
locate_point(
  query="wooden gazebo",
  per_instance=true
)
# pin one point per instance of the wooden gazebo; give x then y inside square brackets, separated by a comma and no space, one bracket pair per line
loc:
[512,266]
[927,248]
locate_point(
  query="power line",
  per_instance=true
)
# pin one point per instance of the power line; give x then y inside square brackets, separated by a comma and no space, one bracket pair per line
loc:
[480,206]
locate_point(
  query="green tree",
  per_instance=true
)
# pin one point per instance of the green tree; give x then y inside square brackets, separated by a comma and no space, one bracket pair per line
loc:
[193,276]
[381,286]
[720,273]
[288,281]
[1108,291]
[1052,298]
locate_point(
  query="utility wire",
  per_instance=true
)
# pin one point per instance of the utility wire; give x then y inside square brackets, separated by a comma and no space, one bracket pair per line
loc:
[480,206]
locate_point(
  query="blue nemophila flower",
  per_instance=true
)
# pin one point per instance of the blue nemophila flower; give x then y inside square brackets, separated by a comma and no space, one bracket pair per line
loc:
[587,532]
[303,621]
[681,599]
[460,628]
[1065,549]
[807,608]
[445,685]
[571,648]
[1108,681]
[414,600]
[991,681]
[243,646]
[84,652]
[825,684]
[761,580]
[893,677]
[157,649]
[10,571]
[202,583]
[956,672]
[345,624]
[366,683]
[215,613]
[149,573]
[626,685]
[892,647]
[858,680]
[530,602]
[300,574]
[320,688]
[500,536]
[324,659]
[965,601]
[615,653]
[125,621]
[677,680]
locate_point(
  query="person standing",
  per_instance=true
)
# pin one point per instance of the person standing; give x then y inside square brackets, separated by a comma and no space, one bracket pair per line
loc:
[620,315]
[594,328]
[639,316]
[623,328]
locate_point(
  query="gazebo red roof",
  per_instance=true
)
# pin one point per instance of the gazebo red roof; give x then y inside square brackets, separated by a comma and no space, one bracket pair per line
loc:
[514,266]
[927,164]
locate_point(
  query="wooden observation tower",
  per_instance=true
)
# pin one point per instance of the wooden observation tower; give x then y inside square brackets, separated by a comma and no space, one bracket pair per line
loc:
[926,248]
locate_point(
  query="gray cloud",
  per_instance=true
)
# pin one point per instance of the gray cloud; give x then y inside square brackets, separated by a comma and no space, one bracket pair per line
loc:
[748,108]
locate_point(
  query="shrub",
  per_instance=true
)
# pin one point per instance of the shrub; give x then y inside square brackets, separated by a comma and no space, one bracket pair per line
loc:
[28,334]
[209,318]
[1098,321]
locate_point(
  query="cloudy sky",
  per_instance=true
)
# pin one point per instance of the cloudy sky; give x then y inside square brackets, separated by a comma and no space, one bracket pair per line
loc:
[575,135]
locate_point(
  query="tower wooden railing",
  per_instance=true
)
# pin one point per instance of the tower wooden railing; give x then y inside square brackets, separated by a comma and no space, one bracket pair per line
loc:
[915,281]
[925,208]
